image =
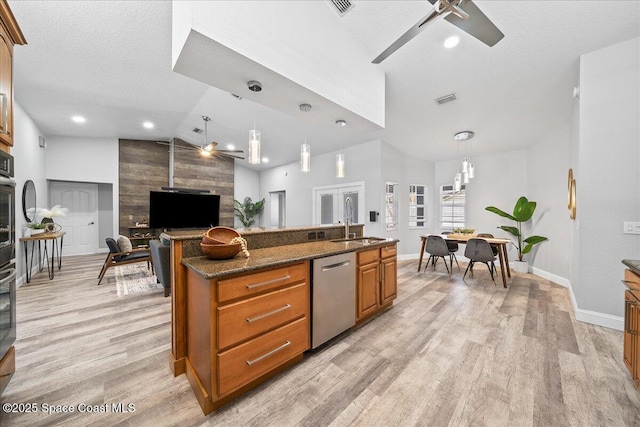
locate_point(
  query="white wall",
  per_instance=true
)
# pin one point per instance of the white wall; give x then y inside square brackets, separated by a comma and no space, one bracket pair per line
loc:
[246,183]
[608,178]
[29,165]
[362,163]
[85,160]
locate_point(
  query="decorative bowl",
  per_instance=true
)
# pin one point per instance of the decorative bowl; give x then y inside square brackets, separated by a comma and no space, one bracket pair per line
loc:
[217,251]
[221,234]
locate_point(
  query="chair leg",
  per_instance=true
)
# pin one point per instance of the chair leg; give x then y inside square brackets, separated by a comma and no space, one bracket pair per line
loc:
[105,267]
[456,258]
[427,264]
[491,267]
[467,269]
[446,266]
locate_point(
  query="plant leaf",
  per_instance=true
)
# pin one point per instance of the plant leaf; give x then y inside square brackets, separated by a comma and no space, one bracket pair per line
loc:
[500,212]
[512,230]
[523,210]
[533,240]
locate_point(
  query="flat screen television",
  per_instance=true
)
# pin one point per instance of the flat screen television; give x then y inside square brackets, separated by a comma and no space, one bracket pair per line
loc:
[183,210]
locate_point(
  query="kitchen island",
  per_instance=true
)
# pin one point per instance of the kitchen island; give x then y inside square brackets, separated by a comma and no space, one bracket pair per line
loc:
[241,321]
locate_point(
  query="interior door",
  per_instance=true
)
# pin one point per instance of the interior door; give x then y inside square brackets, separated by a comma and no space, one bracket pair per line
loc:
[80,222]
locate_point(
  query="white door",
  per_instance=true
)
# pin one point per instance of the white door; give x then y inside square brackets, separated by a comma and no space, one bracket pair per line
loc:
[80,222]
[278,208]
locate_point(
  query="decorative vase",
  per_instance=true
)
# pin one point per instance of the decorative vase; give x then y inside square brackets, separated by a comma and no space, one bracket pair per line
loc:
[47,220]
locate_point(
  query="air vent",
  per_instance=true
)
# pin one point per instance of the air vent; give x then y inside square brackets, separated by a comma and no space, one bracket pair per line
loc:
[446,98]
[197,130]
[342,6]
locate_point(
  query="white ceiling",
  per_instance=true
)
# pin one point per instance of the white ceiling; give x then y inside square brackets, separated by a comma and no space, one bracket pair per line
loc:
[110,61]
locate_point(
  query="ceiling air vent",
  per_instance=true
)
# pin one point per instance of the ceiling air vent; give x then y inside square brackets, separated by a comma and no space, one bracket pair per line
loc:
[197,130]
[342,6]
[446,98]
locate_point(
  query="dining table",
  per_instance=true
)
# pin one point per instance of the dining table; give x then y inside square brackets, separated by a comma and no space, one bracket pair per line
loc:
[500,244]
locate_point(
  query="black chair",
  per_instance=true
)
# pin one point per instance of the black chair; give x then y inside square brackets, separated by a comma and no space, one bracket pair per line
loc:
[453,247]
[489,236]
[161,257]
[116,257]
[479,250]
[437,248]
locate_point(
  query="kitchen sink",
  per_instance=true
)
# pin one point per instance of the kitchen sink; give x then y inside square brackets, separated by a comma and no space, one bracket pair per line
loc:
[361,240]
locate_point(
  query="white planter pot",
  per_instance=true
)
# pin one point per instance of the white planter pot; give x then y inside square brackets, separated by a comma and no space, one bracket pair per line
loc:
[520,266]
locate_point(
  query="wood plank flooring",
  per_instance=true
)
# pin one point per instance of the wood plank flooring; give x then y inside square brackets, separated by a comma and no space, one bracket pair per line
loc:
[448,353]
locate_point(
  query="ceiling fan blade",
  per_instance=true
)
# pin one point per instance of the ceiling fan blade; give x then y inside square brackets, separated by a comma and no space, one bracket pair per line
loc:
[228,151]
[230,156]
[477,24]
[411,33]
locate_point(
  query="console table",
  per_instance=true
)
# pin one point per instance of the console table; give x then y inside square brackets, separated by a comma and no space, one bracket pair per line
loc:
[56,239]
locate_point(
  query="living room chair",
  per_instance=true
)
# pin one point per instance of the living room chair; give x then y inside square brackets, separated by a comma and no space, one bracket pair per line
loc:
[161,257]
[437,248]
[479,250]
[119,257]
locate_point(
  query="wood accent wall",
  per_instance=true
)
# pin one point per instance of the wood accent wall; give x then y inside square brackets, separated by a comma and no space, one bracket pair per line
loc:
[144,166]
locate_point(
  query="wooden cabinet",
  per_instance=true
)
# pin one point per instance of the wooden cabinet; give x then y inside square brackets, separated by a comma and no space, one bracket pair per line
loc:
[242,330]
[10,35]
[377,280]
[631,330]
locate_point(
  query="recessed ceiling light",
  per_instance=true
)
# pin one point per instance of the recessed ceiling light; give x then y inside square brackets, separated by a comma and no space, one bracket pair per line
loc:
[465,135]
[148,125]
[78,119]
[451,42]
[231,147]
[265,160]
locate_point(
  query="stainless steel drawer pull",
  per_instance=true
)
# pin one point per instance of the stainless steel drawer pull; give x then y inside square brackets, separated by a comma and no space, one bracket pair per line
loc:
[270,313]
[332,266]
[264,356]
[268,282]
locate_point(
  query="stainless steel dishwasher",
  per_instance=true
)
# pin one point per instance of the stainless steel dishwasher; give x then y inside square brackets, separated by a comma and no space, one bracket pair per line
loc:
[334,297]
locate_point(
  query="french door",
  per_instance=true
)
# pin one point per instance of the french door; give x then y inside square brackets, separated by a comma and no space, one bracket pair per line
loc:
[330,201]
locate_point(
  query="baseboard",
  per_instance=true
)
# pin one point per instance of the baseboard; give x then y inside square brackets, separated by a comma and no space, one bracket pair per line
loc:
[562,281]
[408,257]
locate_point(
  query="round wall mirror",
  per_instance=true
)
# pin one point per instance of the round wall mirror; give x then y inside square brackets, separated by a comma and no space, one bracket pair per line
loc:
[29,201]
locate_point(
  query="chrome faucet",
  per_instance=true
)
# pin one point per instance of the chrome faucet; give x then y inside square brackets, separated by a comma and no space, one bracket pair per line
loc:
[348,218]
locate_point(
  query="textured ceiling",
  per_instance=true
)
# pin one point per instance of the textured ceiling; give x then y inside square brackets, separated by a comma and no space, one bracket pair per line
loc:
[111,62]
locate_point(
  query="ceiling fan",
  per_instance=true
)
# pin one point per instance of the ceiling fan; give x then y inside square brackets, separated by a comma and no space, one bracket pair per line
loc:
[464,14]
[208,149]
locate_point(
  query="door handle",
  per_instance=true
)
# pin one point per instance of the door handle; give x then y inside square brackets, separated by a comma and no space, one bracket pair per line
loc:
[91,223]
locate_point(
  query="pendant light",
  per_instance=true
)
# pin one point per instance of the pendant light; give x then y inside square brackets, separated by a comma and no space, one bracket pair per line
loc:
[305,149]
[254,135]
[468,170]
[340,156]
[205,149]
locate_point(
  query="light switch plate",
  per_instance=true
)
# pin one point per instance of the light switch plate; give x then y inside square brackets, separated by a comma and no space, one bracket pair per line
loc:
[631,228]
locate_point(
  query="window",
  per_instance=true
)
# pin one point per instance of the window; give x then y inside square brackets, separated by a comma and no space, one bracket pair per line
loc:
[391,205]
[452,207]
[417,206]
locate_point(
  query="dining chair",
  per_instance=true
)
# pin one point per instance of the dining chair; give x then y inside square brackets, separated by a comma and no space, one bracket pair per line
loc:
[453,247]
[489,236]
[437,248]
[479,250]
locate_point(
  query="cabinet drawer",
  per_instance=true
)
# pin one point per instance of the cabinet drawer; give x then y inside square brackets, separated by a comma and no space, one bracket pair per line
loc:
[258,283]
[251,317]
[368,256]
[388,251]
[246,362]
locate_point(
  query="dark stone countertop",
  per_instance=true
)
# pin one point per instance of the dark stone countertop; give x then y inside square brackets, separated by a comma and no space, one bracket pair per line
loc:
[273,257]
[197,234]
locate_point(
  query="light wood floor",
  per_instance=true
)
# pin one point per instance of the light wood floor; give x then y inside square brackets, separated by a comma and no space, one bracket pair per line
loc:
[447,353]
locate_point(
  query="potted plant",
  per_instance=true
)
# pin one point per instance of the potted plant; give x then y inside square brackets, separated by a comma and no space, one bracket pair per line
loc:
[247,211]
[36,228]
[522,212]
